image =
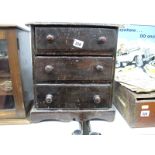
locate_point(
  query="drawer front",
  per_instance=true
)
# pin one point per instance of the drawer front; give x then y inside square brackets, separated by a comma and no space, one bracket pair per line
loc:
[50,69]
[4,67]
[73,96]
[84,41]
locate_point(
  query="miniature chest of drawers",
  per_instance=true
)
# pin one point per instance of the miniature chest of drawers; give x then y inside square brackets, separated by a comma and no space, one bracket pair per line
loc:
[73,70]
[15,61]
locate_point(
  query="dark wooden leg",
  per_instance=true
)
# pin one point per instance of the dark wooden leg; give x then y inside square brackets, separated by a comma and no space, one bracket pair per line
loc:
[85,129]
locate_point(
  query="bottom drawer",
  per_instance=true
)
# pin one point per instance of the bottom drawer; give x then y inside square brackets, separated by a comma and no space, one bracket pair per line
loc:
[73,96]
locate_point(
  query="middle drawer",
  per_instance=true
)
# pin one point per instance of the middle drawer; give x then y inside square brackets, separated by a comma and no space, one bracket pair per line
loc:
[73,69]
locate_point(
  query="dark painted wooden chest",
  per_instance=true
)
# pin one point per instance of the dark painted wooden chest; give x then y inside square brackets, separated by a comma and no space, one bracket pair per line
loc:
[73,70]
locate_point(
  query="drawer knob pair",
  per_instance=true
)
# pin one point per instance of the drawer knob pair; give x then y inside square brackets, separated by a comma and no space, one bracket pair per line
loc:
[49,68]
[49,98]
[101,40]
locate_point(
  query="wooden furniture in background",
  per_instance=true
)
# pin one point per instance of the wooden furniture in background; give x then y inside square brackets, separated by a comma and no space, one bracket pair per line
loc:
[137,109]
[15,73]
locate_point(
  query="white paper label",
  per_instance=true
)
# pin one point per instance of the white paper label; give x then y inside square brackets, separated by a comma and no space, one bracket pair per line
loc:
[145,106]
[145,113]
[78,43]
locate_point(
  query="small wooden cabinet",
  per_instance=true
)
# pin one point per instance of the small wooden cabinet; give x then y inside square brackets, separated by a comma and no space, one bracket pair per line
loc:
[15,72]
[73,71]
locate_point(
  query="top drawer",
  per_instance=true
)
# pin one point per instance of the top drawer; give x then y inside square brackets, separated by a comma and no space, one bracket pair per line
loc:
[75,40]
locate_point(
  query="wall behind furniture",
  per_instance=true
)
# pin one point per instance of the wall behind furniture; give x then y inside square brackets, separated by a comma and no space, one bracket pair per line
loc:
[98,11]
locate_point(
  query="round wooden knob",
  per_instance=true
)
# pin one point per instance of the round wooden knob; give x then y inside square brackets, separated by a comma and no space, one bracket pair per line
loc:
[48,68]
[97,99]
[50,38]
[49,98]
[102,40]
[99,68]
